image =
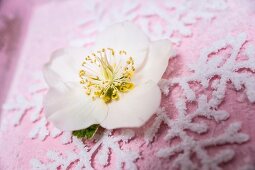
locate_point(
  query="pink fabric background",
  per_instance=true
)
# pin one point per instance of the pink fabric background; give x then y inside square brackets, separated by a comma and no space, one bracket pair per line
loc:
[34,32]
[14,18]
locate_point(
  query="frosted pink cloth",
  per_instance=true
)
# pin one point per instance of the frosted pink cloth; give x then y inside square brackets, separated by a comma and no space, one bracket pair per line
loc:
[52,27]
[14,18]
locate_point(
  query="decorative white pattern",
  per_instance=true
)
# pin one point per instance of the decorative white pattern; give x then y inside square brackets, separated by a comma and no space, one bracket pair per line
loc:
[19,106]
[159,19]
[83,158]
[189,145]
[32,104]
[221,68]
[228,68]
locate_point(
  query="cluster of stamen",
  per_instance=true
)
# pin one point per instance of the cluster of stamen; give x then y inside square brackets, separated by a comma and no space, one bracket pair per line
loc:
[106,73]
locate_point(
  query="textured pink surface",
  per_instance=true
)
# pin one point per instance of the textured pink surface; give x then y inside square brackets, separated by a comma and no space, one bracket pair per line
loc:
[14,18]
[53,25]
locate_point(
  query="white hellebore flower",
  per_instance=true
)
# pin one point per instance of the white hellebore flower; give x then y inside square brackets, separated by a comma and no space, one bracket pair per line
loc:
[114,86]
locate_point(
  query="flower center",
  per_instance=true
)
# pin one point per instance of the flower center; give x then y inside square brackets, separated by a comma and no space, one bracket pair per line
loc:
[106,73]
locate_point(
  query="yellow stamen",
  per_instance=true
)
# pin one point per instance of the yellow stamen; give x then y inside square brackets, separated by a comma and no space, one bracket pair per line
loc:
[106,75]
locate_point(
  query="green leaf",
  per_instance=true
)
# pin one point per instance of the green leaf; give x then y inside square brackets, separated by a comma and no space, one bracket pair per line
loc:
[87,133]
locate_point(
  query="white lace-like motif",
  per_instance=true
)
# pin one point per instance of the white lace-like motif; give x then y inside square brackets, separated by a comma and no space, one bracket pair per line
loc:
[176,17]
[107,145]
[225,70]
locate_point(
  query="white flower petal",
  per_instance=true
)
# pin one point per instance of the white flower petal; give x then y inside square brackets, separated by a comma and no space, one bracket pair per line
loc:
[157,62]
[68,108]
[134,108]
[64,66]
[125,36]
